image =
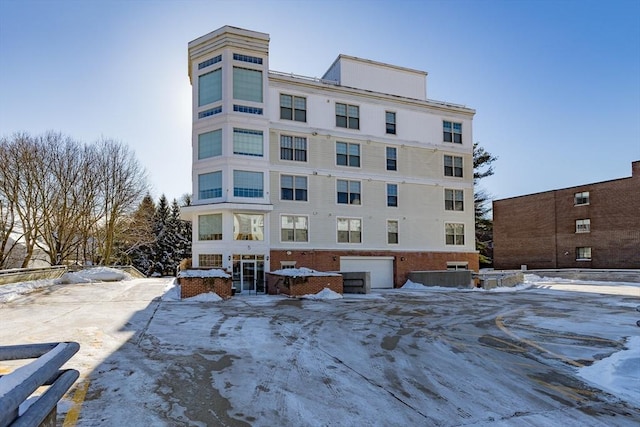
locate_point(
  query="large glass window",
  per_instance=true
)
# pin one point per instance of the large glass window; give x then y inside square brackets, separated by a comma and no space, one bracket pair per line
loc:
[454,200]
[210,260]
[392,195]
[348,192]
[453,166]
[347,154]
[248,226]
[349,230]
[248,184]
[294,228]
[248,142]
[347,116]
[454,234]
[392,232]
[452,132]
[210,87]
[210,185]
[293,148]
[293,187]
[210,144]
[293,108]
[247,84]
[210,227]
[392,159]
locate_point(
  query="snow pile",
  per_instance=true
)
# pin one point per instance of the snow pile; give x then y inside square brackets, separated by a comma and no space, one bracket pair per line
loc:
[171,292]
[204,273]
[302,272]
[97,274]
[618,374]
[14,290]
[208,297]
[324,294]
[413,285]
[516,288]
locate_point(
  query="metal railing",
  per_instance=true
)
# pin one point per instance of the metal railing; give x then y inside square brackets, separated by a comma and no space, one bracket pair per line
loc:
[19,385]
[15,275]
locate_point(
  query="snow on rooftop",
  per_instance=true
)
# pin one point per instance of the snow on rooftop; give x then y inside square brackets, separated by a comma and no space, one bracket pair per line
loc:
[302,272]
[204,273]
[96,274]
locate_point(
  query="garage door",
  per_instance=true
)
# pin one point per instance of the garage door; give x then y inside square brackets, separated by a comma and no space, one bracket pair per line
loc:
[380,269]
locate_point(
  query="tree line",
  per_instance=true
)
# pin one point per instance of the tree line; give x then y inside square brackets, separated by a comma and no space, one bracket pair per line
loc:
[76,203]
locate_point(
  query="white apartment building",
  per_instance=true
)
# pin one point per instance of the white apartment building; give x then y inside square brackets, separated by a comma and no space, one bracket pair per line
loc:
[356,171]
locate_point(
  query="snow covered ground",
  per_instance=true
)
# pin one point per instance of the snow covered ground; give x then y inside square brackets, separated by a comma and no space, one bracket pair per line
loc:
[415,355]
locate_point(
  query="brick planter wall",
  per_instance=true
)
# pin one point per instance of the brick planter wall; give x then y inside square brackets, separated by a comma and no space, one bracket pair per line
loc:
[192,286]
[298,286]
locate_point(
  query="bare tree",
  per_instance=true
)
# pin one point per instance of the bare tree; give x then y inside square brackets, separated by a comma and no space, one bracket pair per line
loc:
[20,176]
[8,237]
[121,183]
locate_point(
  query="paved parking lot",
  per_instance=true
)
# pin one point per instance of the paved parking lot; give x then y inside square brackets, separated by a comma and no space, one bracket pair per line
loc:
[393,358]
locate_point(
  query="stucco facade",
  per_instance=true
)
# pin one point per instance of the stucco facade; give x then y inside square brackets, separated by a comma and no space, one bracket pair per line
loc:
[588,226]
[357,162]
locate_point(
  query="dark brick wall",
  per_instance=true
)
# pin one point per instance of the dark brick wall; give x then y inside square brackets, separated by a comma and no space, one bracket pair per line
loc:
[192,286]
[404,262]
[298,286]
[539,230]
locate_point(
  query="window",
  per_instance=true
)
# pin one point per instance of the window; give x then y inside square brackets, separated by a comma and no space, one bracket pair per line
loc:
[210,227]
[347,154]
[452,132]
[210,260]
[248,184]
[581,198]
[392,159]
[583,225]
[454,200]
[247,142]
[247,58]
[209,112]
[287,264]
[248,110]
[210,144]
[209,62]
[457,265]
[583,254]
[347,116]
[293,108]
[210,87]
[454,234]
[392,232]
[453,166]
[293,187]
[248,226]
[349,230]
[294,228]
[392,195]
[247,84]
[390,119]
[348,192]
[293,148]
[210,185]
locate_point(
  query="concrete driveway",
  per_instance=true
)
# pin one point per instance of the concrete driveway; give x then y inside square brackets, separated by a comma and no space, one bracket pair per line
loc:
[393,358]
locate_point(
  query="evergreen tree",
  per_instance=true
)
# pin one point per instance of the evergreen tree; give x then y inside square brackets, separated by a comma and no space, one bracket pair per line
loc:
[161,255]
[140,237]
[482,168]
[182,231]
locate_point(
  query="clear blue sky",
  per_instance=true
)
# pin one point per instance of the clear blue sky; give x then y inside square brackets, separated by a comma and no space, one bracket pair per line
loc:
[556,84]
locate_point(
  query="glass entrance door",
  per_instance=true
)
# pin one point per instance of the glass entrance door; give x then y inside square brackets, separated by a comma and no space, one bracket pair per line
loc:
[248,275]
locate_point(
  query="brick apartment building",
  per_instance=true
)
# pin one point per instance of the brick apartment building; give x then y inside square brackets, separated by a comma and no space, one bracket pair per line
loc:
[588,226]
[354,171]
